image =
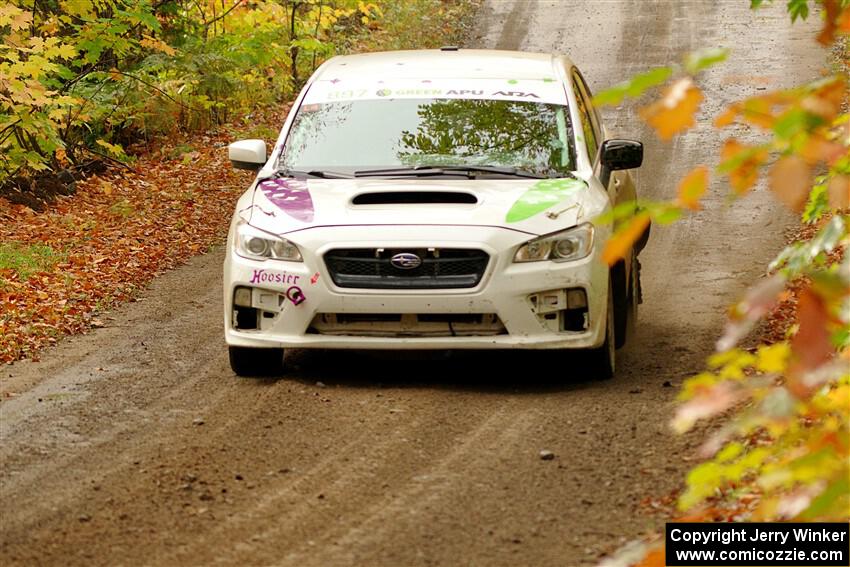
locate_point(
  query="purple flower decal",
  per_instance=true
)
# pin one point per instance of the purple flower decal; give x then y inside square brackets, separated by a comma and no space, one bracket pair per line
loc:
[291,196]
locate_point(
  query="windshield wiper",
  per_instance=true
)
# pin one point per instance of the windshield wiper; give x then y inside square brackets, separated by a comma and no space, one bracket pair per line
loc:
[499,170]
[430,171]
[313,173]
[410,170]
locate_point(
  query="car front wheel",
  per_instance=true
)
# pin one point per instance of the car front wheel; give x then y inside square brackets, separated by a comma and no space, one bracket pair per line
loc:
[634,299]
[602,359]
[246,361]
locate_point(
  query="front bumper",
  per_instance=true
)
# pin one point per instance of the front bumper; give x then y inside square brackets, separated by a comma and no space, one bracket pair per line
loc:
[290,295]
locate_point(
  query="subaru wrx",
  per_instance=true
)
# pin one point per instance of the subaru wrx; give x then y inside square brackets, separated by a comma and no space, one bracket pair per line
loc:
[435,199]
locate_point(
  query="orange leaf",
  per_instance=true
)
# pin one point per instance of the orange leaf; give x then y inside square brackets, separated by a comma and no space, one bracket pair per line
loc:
[727,117]
[826,101]
[811,345]
[838,190]
[157,45]
[817,148]
[791,181]
[759,110]
[744,174]
[624,238]
[655,558]
[844,20]
[674,113]
[692,188]
[827,34]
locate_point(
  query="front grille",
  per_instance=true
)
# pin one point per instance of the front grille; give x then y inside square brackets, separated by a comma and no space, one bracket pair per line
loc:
[372,268]
[399,325]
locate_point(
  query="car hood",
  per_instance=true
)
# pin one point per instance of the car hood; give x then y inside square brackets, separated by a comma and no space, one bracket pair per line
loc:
[534,206]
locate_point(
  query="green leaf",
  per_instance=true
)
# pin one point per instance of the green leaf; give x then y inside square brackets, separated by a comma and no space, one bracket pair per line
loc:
[65,51]
[797,257]
[309,44]
[798,9]
[702,481]
[818,204]
[35,160]
[91,49]
[696,61]
[835,497]
[663,212]
[796,121]
[113,149]
[634,87]
[624,210]
[729,452]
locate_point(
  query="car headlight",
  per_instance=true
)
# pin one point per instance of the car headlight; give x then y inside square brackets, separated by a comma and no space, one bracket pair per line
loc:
[571,244]
[258,245]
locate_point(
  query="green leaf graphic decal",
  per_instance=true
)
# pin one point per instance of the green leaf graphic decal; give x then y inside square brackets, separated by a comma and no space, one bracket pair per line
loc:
[541,196]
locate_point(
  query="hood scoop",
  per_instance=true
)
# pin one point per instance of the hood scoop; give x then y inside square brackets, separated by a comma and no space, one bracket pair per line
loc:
[415,198]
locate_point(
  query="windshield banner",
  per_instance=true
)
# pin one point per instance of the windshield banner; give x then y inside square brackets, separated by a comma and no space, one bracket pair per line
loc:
[545,90]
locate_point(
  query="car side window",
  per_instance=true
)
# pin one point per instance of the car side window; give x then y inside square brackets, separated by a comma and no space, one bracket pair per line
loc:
[595,121]
[589,121]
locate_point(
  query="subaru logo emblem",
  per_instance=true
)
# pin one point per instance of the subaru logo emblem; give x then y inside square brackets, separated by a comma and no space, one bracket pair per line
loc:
[406,261]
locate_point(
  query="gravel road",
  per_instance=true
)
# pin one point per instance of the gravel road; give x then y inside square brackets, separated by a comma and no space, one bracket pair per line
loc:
[136,444]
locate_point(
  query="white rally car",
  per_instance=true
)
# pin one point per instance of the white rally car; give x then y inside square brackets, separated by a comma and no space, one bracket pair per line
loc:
[439,199]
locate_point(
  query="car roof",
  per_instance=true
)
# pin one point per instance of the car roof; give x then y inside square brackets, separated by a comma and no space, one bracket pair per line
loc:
[442,64]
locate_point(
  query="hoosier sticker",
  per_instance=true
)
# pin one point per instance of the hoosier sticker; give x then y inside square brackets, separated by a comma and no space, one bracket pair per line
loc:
[263,276]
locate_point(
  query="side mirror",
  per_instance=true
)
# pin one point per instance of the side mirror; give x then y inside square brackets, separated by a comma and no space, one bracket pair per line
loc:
[247,154]
[621,154]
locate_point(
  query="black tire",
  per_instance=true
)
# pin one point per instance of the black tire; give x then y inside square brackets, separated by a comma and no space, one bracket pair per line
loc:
[246,361]
[602,360]
[626,299]
[620,285]
[634,299]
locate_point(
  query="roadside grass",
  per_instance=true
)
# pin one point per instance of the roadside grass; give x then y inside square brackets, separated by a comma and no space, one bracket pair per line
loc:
[28,259]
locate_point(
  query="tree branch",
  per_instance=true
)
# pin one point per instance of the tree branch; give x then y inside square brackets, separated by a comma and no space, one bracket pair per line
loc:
[221,17]
[159,90]
[110,158]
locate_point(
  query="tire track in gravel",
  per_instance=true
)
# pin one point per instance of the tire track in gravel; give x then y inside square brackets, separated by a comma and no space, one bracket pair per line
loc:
[430,470]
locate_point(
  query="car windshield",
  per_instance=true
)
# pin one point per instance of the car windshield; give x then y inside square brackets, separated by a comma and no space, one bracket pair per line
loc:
[361,135]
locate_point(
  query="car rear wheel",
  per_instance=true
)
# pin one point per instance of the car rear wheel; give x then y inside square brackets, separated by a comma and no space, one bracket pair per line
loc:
[246,361]
[602,359]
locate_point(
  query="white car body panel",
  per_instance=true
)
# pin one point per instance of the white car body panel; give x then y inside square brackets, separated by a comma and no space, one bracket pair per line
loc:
[503,290]
[332,203]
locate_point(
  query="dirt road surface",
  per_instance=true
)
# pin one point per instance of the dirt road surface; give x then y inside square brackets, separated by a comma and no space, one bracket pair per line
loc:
[136,445]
